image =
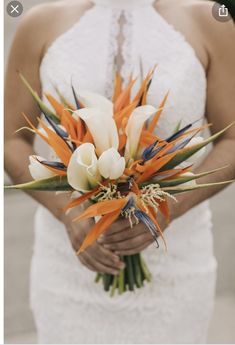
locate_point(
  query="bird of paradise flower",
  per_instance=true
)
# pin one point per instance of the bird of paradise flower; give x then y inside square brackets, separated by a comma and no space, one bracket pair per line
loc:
[123,168]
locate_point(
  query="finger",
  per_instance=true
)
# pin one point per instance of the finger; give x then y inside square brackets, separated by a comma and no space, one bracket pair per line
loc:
[106,257]
[123,235]
[129,243]
[135,250]
[85,263]
[101,268]
[117,226]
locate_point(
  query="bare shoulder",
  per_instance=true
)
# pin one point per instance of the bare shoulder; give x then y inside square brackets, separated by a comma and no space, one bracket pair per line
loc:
[43,23]
[216,34]
[194,19]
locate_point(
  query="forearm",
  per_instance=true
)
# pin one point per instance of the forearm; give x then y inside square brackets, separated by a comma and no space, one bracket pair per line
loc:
[221,155]
[17,152]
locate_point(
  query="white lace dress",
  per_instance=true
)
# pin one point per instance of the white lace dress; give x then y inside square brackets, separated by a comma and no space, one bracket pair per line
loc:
[176,306]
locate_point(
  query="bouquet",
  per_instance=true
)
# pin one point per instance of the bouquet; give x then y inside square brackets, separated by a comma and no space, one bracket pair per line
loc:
[109,153]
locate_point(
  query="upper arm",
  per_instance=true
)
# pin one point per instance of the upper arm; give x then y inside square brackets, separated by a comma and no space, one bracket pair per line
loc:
[220,43]
[25,56]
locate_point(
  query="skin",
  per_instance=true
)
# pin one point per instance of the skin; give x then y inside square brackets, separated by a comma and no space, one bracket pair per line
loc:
[213,43]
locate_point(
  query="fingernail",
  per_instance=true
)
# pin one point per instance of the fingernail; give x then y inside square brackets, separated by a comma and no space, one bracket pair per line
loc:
[117,253]
[122,265]
[116,258]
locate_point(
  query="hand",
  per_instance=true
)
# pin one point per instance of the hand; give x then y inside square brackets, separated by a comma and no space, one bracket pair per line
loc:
[96,257]
[124,240]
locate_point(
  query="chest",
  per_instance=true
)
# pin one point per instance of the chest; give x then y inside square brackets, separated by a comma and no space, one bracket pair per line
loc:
[137,40]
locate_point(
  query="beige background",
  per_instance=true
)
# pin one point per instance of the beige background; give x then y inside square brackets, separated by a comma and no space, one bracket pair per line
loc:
[19,210]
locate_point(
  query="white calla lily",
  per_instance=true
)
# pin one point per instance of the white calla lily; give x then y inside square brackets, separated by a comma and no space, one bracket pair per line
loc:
[94,100]
[37,170]
[111,164]
[102,127]
[134,127]
[82,170]
[198,154]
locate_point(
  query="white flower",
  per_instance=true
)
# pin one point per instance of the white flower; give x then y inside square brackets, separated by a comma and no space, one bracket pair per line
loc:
[198,154]
[82,170]
[111,164]
[102,127]
[134,127]
[94,100]
[37,170]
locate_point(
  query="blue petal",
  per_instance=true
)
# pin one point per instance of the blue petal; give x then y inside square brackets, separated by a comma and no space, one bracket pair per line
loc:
[180,145]
[177,134]
[56,165]
[149,152]
[130,203]
[144,218]
[78,105]
[56,128]
[181,131]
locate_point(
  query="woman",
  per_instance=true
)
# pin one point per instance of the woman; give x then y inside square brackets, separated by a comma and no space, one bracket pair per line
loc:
[86,41]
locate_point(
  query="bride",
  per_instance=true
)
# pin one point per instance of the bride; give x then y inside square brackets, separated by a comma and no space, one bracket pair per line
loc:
[87,41]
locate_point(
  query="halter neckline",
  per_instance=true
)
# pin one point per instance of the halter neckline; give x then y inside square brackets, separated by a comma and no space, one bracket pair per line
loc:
[123,4]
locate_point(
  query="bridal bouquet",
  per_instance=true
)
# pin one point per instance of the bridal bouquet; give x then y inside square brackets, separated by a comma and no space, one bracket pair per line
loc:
[109,153]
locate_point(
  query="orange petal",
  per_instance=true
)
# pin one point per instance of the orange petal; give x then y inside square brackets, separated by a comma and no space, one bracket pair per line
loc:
[100,227]
[59,146]
[164,209]
[155,119]
[124,97]
[81,199]
[153,168]
[69,123]
[59,108]
[102,208]
[35,129]
[148,138]
[118,87]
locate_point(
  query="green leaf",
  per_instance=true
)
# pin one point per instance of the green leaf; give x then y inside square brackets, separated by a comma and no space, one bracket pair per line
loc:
[177,128]
[56,183]
[184,179]
[182,189]
[40,103]
[188,152]
[62,98]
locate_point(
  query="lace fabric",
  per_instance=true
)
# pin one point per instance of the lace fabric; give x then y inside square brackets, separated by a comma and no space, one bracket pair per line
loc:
[176,307]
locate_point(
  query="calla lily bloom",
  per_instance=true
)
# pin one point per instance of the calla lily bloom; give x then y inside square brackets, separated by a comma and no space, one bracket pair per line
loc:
[94,100]
[82,170]
[134,127]
[37,170]
[102,127]
[111,164]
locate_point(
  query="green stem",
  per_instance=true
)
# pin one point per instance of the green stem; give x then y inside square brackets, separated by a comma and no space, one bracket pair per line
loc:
[146,272]
[107,279]
[98,277]
[121,282]
[114,286]
[130,273]
[137,270]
